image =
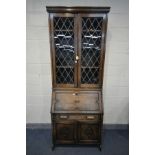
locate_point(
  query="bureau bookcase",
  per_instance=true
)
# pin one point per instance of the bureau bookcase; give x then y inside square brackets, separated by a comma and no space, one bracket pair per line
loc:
[77,45]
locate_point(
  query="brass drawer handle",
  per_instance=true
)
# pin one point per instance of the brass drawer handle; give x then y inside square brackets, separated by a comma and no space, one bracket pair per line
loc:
[90,117]
[63,116]
[75,94]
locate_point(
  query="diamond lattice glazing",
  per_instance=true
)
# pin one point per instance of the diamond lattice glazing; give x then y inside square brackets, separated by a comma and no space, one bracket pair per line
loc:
[64,47]
[91,48]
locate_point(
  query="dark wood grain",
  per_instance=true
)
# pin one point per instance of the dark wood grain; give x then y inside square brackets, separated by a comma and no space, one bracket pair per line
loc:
[77,102]
[77,9]
[77,109]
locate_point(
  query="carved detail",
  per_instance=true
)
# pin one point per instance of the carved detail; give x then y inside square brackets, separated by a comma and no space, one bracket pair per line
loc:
[89,132]
[64,132]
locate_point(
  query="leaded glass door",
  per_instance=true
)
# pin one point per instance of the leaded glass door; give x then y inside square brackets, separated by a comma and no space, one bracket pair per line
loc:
[91,49]
[64,50]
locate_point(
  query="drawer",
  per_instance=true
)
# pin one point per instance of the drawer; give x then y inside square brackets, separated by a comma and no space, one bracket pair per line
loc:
[76,117]
[92,117]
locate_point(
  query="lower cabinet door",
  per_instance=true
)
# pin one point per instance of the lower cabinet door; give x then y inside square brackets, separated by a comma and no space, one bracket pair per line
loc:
[65,132]
[89,132]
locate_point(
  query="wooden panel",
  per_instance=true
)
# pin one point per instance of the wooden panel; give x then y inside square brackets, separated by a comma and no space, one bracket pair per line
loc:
[86,117]
[77,102]
[62,9]
[88,101]
[65,132]
[64,101]
[89,132]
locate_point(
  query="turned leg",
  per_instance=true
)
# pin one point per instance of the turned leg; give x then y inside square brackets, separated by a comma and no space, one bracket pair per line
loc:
[100,148]
[53,147]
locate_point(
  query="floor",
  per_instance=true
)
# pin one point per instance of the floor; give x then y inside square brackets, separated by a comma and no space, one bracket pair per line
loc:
[115,142]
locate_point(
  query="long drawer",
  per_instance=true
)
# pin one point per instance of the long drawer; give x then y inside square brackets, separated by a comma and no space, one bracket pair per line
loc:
[77,117]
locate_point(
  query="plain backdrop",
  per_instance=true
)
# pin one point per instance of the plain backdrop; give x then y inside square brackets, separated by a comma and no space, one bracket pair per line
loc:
[116,71]
[13,76]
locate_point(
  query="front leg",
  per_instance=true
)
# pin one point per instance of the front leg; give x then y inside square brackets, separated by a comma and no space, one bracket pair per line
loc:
[100,148]
[53,147]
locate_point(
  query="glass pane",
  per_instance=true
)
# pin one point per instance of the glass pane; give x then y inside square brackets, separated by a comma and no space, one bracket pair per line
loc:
[91,48]
[64,47]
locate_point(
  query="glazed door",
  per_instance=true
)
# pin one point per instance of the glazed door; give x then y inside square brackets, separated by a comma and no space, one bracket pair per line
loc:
[78,49]
[92,31]
[64,49]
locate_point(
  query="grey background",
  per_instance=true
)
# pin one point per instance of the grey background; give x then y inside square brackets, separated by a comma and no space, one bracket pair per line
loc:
[115,90]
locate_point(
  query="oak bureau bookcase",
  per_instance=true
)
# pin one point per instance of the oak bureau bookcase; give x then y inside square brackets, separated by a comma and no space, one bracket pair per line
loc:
[77,44]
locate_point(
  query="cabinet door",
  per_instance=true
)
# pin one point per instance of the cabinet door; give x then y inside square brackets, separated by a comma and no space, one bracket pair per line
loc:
[91,49]
[64,49]
[65,132]
[89,132]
